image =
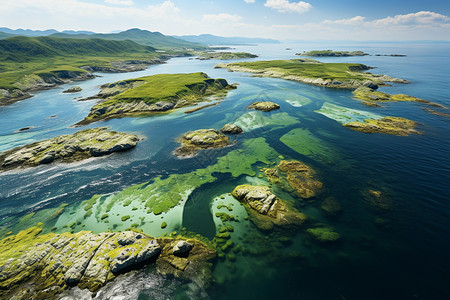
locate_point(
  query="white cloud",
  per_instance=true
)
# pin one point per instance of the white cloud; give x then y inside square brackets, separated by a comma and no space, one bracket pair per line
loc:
[418,18]
[249,1]
[352,21]
[285,6]
[221,18]
[120,2]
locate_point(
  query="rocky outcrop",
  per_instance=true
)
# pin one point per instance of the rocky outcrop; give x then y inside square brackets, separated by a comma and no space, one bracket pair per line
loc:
[201,139]
[34,266]
[265,209]
[225,55]
[295,176]
[124,66]
[264,106]
[327,53]
[387,125]
[231,129]
[74,89]
[371,97]
[81,145]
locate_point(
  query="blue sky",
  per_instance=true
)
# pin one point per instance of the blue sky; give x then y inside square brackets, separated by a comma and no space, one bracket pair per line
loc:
[280,19]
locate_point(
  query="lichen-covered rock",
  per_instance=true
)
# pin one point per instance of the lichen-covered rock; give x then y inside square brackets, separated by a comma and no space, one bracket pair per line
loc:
[231,129]
[200,139]
[265,209]
[293,175]
[77,146]
[264,106]
[387,125]
[32,264]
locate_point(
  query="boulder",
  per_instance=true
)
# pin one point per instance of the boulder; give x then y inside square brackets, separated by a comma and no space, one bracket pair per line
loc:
[231,129]
[182,247]
[264,106]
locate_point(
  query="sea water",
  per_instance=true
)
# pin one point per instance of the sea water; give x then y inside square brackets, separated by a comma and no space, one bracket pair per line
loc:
[399,253]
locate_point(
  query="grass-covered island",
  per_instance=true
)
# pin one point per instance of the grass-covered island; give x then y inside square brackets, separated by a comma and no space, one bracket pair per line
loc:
[319,53]
[225,55]
[332,75]
[35,63]
[41,266]
[78,146]
[154,94]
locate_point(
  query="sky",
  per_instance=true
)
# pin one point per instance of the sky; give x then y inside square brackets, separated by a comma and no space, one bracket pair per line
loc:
[386,20]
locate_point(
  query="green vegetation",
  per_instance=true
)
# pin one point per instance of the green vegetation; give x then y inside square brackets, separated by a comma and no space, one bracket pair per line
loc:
[324,234]
[163,225]
[153,94]
[225,55]
[124,218]
[387,125]
[333,53]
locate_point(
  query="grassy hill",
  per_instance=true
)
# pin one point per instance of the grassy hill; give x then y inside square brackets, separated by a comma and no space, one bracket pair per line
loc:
[143,37]
[24,58]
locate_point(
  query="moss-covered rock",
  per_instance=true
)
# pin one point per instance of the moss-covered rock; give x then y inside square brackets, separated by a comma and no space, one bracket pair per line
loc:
[293,175]
[324,234]
[265,209]
[200,139]
[32,264]
[387,125]
[371,97]
[264,106]
[80,145]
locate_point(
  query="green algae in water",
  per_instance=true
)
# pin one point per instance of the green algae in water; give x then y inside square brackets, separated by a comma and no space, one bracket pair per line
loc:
[256,119]
[165,198]
[344,115]
[304,142]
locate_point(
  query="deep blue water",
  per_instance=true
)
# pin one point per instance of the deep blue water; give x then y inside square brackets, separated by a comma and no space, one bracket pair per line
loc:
[406,258]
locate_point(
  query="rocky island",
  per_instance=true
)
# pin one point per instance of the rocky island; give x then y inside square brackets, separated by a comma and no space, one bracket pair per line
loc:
[264,106]
[265,209]
[332,75]
[201,139]
[67,148]
[332,53]
[41,266]
[154,94]
[387,125]
[225,55]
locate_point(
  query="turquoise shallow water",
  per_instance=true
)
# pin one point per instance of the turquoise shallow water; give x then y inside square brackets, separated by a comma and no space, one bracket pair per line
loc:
[401,253]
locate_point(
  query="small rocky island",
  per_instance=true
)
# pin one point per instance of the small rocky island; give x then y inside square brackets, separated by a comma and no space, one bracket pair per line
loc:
[387,125]
[264,106]
[225,55]
[41,266]
[154,94]
[332,53]
[201,139]
[332,75]
[231,129]
[265,209]
[74,89]
[67,148]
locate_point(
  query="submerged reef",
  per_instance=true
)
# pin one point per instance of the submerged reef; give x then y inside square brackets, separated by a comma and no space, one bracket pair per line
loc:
[323,233]
[154,94]
[265,209]
[377,199]
[35,266]
[264,106]
[295,176]
[387,125]
[200,139]
[78,146]
[332,75]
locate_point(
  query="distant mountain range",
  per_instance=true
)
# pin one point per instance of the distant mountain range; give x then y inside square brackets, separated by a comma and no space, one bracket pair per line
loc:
[210,39]
[143,37]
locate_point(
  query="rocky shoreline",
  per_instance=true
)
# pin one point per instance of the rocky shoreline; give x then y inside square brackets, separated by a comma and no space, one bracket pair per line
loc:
[67,148]
[36,266]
